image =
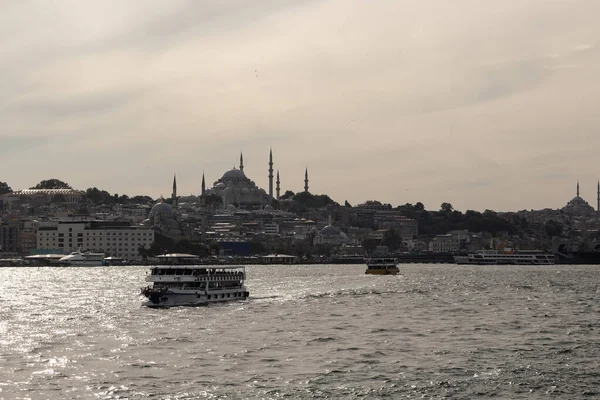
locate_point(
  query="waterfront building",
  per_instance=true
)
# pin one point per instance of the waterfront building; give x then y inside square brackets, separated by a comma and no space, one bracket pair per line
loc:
[37,197]
[443,244]
[113,238]
[271,229]
[406,228]
[451,242]
[9,237]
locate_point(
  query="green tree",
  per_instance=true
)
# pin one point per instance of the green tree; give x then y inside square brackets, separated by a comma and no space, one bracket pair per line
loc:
[98,196]
[4,188]
[287,195]
[392,240]
[370,244]
[446,207]
[141,199]
[52,184]
[309,200]
[553,228]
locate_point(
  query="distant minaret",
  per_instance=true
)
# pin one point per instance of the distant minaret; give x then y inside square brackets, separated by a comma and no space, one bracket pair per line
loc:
[277,188]
[306,179]
[577,188]
[241,162]
[174,194]
[270,173]
[598,198]
[203,185]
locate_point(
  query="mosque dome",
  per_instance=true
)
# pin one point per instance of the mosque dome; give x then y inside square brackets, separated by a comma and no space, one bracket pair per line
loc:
[330,230]
[234,174]
[220,185]
[269,207]
[577,205]
[161,208]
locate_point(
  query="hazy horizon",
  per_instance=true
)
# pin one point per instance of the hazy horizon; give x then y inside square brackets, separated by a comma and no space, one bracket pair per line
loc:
[482,105]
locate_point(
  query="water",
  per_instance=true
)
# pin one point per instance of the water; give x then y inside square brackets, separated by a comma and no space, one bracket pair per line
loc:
[436,331]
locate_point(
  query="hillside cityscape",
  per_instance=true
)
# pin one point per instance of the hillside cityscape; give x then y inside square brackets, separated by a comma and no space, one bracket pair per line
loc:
[235,219]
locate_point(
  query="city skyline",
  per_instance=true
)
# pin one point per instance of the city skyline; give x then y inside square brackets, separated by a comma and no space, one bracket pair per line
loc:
[484,106]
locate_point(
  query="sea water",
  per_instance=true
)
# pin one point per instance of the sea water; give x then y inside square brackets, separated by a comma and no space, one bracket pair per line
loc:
[318,331]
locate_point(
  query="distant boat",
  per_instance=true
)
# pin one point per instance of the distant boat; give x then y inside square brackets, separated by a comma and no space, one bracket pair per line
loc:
[382,266]
[493,257]
[83,259]
[43,259]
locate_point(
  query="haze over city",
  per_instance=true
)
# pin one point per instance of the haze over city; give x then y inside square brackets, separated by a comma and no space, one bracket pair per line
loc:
[485,105]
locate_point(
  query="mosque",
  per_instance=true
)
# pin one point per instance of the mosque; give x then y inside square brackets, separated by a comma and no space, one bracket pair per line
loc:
[237,190]
[578,206]
[234,188]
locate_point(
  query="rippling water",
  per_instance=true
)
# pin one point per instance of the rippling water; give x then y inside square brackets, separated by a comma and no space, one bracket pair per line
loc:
[435,331]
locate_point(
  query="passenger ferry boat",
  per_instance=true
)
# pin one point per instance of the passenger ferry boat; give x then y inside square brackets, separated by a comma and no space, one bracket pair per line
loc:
[83,259]
[382,266]
[492,257]
[193,285]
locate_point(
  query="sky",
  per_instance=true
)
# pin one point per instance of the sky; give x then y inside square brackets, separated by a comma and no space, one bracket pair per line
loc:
[485,105]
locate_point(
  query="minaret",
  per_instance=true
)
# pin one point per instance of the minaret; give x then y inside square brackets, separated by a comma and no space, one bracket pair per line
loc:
[203,184]
[277,188]
[598,198]
[577,188]
[270,173]
[241,162]
[174,194]
[306,179]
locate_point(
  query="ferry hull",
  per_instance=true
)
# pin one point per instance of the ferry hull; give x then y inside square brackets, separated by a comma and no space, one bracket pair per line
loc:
[161,299]
[82,264]
[391,271]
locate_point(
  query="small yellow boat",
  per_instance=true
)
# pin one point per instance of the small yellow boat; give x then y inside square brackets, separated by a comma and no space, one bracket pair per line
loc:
[382,266]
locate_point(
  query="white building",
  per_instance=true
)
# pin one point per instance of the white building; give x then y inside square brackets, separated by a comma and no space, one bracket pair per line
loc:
[443,244]
[271,229]
[453,241]
[117,240]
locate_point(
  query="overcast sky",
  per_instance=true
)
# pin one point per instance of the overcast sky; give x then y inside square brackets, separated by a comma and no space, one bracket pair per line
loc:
[483,104]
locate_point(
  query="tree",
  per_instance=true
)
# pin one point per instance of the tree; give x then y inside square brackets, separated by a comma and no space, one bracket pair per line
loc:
[141,199]
[52,184]
[419,206]
[370,244]
[98,196]
[392,240]
[4,188]
[553,228]
[287,195]
[309,200]
[446,207]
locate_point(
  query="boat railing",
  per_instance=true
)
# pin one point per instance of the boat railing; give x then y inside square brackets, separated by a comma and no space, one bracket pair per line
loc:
[192,278]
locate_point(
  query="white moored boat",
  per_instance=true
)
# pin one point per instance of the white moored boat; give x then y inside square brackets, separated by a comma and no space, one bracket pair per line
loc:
[83,259]
[192,285]
[491,257]
[382,266]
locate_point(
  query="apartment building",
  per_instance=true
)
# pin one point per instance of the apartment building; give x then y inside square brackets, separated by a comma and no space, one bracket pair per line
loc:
[114,238]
